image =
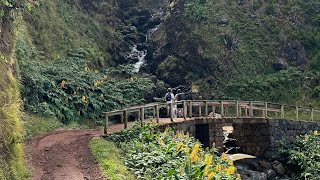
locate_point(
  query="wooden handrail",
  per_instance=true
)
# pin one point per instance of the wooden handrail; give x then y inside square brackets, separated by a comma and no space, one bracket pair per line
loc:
[251,108]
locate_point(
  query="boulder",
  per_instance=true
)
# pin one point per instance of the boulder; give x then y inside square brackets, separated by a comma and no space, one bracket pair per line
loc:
[278,168]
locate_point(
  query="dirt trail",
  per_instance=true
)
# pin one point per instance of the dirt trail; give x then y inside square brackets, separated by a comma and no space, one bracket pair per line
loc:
[63,155]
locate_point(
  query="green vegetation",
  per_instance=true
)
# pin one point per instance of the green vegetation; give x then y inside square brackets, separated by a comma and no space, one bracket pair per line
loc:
[220,46]
[110,159]
[151,154]
[72,88]
[302,156]
[34,125]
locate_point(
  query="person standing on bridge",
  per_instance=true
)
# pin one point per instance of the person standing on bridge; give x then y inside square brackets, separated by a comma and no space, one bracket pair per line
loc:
[180,97]
[169,99]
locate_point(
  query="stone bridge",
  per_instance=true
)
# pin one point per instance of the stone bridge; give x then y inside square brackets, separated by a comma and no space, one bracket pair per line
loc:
[258,127]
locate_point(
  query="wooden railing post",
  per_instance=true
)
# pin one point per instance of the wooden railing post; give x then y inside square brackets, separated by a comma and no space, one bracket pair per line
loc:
[142,115]
[184,110]
[312,113]
[237,109]
[222,109]
[297,113]
[251,110]
[200,113]
[171,112]
[125,119]
[206,108]
[282,111]
[190,109]
[139,115]
[266,110]
[157,113]
[121,116]
[106,125]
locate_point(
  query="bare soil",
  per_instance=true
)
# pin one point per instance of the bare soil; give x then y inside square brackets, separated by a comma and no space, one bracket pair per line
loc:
[63,155]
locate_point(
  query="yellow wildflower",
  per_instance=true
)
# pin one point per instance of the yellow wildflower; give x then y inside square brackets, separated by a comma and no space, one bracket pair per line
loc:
[230,162]
[194,157]
[206,171]
[179,145]
[83,99]
[210,176]
[218,168]
[223,156]
[186,150]
[231,170]
[160,141]
[96,71]
[315,133]
[195,148]
[238,177]
[166,130]
[86,69]
[105,78]
[63,83]
[208,159]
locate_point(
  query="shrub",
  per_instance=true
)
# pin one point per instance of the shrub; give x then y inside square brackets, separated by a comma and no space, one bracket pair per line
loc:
[155,155]
[302,157]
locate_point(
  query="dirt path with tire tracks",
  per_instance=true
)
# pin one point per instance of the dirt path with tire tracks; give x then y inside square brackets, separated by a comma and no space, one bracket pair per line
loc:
[63,155]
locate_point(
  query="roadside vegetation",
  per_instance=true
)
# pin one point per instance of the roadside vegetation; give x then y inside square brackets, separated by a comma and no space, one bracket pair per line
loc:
[150,154]
[302,156]
[110,159]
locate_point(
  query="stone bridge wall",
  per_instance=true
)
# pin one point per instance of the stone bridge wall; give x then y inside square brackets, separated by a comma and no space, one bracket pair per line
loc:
[255,136]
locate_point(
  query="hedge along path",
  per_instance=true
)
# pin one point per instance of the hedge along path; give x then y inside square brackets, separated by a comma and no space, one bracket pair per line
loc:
[63,154]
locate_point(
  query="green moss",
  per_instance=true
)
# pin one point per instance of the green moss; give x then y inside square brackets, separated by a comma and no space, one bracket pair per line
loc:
[109,159]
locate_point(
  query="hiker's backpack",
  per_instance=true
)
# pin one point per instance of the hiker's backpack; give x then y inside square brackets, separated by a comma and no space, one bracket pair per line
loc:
[168,97]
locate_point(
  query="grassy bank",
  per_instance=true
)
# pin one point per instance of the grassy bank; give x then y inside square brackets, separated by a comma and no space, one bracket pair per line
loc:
[110,159]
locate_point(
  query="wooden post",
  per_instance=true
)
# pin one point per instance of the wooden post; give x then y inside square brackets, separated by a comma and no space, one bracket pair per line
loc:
[226,111]
[246,111]
[266,110]
[213,110]
[200,113]
[154,112]
[190,109]
[171,112]
[240,111]
[121,116]
[157,113]
[125,119]
[222,110]
[237,109]
[251,110]
[312,113]
[297,113]
[142,115]
[139,114]
[184,110]
[106,125]
[282,111]
[206,108]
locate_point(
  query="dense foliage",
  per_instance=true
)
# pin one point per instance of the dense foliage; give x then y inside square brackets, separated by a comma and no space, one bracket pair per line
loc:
[207,44]
[70,90]
[151,154]
[302,156]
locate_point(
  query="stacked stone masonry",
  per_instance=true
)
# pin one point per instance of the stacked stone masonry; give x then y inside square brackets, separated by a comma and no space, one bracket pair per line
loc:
[256,136]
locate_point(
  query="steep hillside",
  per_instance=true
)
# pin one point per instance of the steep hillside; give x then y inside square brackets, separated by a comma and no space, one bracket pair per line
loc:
[253,49]
[73,58]
[11,152]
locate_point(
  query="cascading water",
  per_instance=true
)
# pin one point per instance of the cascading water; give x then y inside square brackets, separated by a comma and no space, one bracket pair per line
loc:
[140,54]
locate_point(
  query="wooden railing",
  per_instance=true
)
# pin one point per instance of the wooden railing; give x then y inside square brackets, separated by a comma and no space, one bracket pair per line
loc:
[218,109]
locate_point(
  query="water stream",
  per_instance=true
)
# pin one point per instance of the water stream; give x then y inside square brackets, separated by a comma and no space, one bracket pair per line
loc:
[140,54]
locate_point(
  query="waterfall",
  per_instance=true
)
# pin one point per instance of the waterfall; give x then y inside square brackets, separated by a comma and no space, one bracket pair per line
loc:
[140,55]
